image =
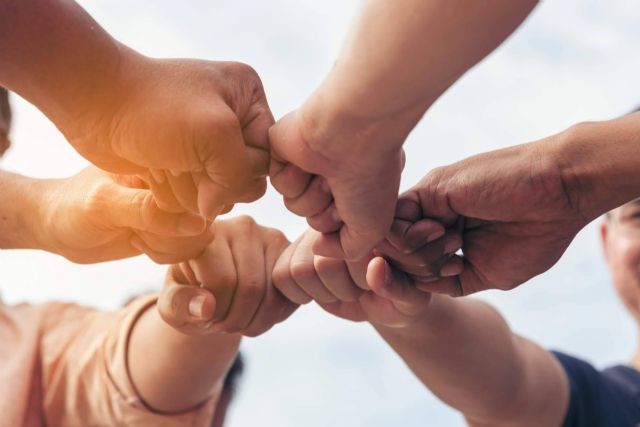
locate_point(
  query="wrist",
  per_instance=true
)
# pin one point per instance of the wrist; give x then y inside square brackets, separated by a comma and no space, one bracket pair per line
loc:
[337,128]
[598,163]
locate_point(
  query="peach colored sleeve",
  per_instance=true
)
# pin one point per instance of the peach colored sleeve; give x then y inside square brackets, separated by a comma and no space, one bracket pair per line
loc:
[86,380]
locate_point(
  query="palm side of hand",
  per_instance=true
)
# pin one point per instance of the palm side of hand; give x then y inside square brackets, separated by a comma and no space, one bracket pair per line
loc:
[517,213]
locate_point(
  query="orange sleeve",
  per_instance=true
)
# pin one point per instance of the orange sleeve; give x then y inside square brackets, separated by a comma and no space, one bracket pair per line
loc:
[86,380]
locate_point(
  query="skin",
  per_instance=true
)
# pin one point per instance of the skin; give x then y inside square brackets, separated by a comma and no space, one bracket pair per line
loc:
[202,319]
[92,217]
[620,233]
[519,208]
[196,131]
[337,159]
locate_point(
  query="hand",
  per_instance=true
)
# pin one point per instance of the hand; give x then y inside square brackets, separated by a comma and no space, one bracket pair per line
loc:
[366,290]
[92,217]
[343,177]
[196,131]
[517,208]
[298,271]
[228,288]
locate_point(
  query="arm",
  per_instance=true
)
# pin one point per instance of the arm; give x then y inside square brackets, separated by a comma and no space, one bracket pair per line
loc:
[19,195]
[461,349]
[92,217]
[411,52]
[464,352]
[53,51]
[173,371]
[399,58]
[522,206]
[202,314]
[108,99]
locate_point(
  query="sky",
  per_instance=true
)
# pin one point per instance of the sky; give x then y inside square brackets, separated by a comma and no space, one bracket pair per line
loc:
[571,61]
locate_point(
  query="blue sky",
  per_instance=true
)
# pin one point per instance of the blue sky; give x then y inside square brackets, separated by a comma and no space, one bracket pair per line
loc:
[572,61]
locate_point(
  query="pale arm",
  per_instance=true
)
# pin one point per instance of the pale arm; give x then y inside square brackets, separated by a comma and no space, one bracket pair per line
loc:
[465,353]
[402,55]
[56,56]
[175,372]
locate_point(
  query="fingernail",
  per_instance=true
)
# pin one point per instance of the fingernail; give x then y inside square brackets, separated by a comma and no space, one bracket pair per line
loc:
[452,245]
[196,306]
[450,270]
[191,224]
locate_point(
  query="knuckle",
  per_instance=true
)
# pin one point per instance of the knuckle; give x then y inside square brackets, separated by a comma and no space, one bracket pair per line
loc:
[253,287]
[301,271]
[245,223]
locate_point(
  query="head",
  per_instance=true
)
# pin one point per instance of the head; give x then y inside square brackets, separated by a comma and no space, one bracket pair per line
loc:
[620,232]
[5,120]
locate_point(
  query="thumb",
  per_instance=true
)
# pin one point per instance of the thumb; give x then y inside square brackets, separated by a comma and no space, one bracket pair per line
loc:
[396,286]
[189,309]
[137,209]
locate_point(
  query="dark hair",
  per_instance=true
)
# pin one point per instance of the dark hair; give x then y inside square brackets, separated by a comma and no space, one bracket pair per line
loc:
[233,376]
[5,120]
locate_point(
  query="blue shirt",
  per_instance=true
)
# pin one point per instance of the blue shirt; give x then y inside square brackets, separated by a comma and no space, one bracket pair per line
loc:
[601,398]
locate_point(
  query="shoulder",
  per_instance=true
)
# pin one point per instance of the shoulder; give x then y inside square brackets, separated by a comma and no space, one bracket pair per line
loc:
[599,398]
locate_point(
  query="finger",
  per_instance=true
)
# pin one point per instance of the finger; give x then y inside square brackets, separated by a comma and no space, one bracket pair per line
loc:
[349,243]
[226,162]
[335,276]
[283,280]
[327,221]
[182,247]
[189,309]
[248,257]
[259,160]
[163,194]
[137,209]
[396,286]
[408,236]
[275,307]
[408,207]
[303,271]
[315,199]
[184,190]
[289,180]
[426,261]
[215,270]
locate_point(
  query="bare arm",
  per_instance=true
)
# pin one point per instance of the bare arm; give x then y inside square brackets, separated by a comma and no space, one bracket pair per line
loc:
[179,354]
[175,372]
[402,55]
[465,353]
[56,56]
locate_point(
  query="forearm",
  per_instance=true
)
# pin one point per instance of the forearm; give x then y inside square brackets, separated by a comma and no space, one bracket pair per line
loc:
[21,211]
[402,55]
[56,56]
[465,353]
[599,163]
[174,372]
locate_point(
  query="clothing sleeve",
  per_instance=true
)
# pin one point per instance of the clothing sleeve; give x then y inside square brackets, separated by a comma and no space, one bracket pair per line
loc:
[596,399]
[85,377]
